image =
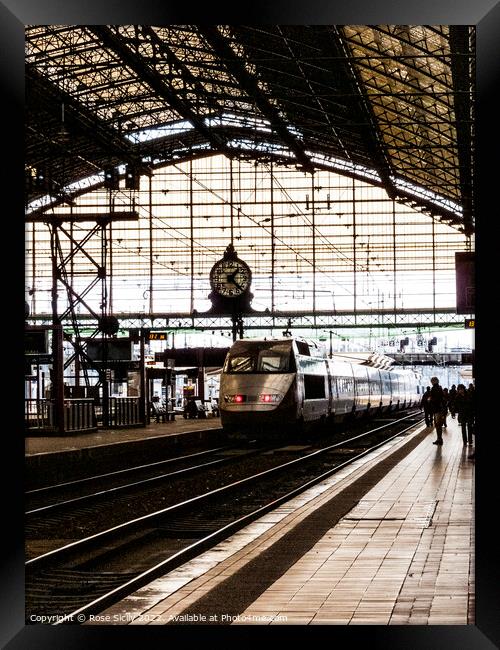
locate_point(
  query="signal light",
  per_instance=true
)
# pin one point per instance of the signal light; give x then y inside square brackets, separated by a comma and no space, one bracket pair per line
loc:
[132,178]
[111,179]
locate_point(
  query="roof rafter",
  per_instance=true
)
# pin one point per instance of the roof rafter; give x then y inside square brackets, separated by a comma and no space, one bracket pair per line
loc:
[365,111]
[250,85]
[76,114]
[165,91]
[462,82]
[397,100]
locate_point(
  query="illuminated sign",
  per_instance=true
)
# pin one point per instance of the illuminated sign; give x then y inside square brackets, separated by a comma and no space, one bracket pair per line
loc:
[470,323]
[158,336]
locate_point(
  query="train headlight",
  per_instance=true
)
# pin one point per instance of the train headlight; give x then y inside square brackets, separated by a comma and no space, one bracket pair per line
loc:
[269,398]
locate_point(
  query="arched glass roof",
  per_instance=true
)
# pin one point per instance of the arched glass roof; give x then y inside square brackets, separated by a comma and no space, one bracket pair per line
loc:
[387,104]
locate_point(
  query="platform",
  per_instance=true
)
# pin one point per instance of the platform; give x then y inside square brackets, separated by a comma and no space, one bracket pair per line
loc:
[369,545]
[61,457]
[53,444]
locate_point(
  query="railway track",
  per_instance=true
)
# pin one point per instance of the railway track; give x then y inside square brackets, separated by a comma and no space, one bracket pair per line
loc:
[87,575]
[59,496]
[145,490]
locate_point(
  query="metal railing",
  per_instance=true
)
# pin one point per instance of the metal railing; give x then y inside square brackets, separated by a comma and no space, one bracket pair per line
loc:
[124,411]
[78,414]
[38,414]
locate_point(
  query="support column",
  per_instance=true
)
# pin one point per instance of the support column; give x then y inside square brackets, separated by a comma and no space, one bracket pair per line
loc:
[201,375]
[57,378]
[142,381]
[57,389]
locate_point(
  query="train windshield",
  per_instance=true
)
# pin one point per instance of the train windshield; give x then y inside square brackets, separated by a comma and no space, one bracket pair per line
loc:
[262,356]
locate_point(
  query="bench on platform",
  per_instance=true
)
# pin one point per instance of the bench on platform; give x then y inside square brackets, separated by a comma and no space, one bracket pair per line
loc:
[161,412]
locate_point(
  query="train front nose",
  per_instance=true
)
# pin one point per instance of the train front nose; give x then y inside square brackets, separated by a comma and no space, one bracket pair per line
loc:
[247,401]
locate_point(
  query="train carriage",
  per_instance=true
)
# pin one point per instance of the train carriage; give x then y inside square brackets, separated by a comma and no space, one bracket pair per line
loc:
[280,385]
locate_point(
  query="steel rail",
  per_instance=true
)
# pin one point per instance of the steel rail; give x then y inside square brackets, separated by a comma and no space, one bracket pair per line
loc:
[97,477]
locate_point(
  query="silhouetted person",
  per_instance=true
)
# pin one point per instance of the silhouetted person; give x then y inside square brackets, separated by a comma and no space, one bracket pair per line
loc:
[451,400]
[438,408]
[463,408]
[425,404]
[191,409]
[446,401]
[471,391]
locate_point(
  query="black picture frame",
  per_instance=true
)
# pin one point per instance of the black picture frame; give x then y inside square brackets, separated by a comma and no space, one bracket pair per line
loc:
[485,14]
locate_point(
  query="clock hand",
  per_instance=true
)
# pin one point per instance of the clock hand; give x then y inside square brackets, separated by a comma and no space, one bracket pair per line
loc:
[230,278]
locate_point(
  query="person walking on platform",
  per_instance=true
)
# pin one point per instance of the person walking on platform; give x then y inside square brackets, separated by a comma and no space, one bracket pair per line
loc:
[451,400]
[446,398]
[463,408]
[425,404]
[438,408]
[471,392]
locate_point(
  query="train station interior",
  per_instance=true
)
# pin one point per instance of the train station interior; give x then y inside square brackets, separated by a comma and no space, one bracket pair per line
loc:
[189,187]
[335,163]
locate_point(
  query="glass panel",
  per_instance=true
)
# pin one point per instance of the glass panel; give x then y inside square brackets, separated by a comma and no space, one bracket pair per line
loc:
[260,357]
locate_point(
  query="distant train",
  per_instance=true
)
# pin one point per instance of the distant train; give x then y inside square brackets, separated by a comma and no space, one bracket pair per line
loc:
[282,385]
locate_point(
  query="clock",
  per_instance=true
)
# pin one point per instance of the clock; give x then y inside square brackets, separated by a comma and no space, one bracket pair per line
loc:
[230,277]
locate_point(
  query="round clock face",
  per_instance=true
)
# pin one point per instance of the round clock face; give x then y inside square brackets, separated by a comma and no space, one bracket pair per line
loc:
[230,278]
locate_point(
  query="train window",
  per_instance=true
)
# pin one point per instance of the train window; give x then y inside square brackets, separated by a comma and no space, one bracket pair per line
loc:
[303,348]
[269,361]
[260,357]
[239,364]
[314,386]
[345,384]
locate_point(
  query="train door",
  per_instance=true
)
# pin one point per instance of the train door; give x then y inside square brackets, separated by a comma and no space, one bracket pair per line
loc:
[395,392]
[385,380]
[315,389]
[342,389]
[375,389]
[299,388]
[410,399]
[361,388]
[332,389]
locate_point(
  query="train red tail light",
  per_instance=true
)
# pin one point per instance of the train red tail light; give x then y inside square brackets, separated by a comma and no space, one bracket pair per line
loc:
[266,397]
[235,399]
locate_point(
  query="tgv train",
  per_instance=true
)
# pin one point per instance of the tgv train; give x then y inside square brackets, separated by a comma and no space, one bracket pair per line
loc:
[280,385]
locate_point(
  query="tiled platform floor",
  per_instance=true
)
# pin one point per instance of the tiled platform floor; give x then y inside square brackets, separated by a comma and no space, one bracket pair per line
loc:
[402,555]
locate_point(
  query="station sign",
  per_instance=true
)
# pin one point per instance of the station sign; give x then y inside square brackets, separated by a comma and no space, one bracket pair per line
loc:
[470,323]
[119,349]
[36,342]
[158,336]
